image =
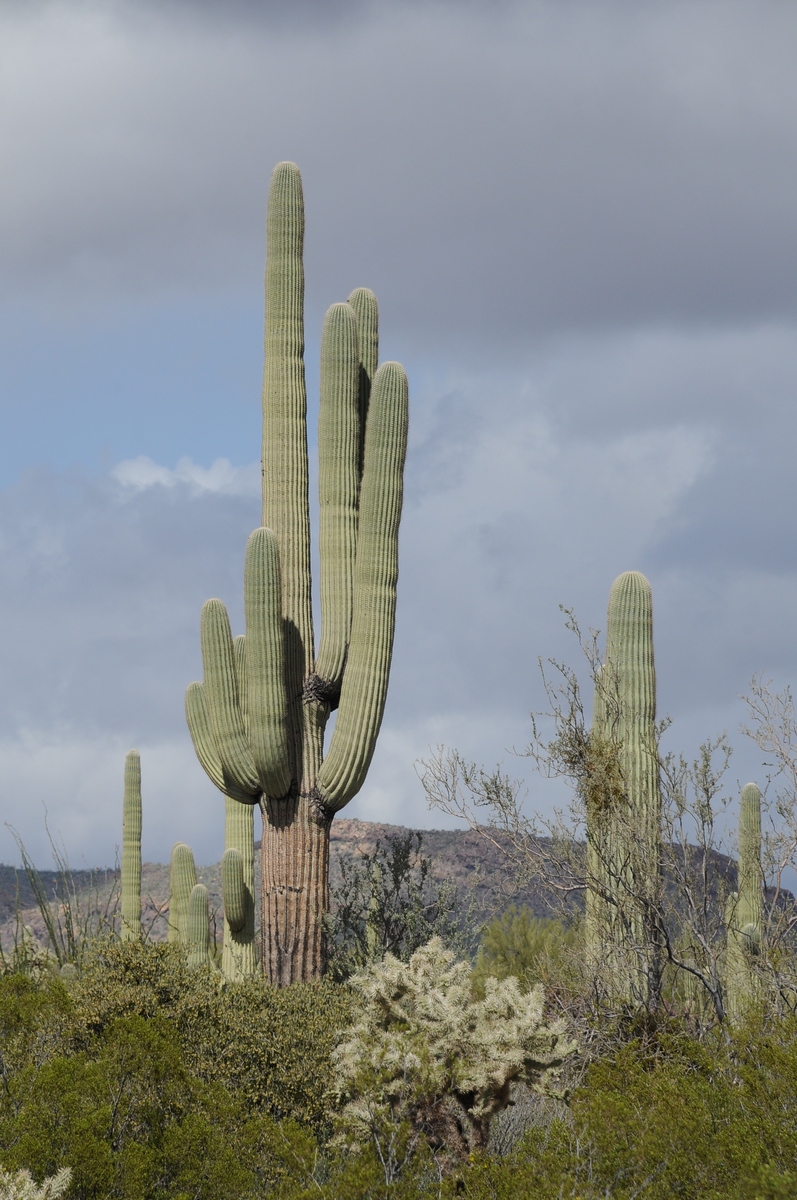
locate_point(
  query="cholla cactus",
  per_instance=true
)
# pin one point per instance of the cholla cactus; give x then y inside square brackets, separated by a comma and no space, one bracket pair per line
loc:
[425,1052]
[744,911]
[131,849]
[257,720]
[21,1185]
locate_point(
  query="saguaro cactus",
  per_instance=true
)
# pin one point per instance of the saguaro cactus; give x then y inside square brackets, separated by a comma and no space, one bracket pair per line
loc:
[182,880]
[744,912]
[131,849]
[258,719]
[198,928]
[624,808]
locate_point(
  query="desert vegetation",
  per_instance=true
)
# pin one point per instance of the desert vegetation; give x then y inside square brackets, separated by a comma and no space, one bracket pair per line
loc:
[608,1010]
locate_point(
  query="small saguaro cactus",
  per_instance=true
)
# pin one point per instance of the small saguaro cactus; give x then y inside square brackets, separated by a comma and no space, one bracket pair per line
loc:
[624,808]
[197,925]
[131,849]
[182,880]
[258,719]
[744,911]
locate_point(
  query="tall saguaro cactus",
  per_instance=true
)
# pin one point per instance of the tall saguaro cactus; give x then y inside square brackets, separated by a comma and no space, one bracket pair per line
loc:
[182,880]
[624,814]
[131,849]
[258,719]
[744,918]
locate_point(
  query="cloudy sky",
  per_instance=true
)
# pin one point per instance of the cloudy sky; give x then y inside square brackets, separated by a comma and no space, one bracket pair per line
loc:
[579,220]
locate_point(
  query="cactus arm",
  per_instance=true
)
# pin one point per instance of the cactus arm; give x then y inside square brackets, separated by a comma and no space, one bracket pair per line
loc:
[131,849]
[265,671]
[285,470]
[364,690]
[363,301]
[239,960]
[196,712]
[182,879]
[239,650]
[198,928]
[232,888]
[338,485]
[221,694]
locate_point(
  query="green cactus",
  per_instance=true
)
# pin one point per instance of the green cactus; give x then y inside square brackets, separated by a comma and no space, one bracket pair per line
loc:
[624,804]
[258,719]
[182,880]
[239,960]
[744,911]
[131,849]
[197,928]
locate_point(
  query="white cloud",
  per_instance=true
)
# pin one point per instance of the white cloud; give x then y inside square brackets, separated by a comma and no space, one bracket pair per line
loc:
[138,474]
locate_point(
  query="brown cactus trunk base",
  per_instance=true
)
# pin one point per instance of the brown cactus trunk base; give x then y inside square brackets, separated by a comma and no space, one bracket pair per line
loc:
[295,878]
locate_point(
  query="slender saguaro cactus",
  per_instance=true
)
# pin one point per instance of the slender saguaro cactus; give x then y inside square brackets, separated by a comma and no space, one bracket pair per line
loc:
[182,880]
[131,849]
[258,719]
[624,814]
[198,928]
[744,913]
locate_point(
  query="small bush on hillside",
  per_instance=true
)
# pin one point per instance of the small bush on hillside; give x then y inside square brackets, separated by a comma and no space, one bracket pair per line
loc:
[533,949]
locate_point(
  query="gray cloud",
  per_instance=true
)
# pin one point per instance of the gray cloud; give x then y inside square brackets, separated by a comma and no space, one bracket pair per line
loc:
[495,177]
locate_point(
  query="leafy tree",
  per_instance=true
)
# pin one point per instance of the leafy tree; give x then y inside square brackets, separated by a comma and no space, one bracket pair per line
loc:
[389,903]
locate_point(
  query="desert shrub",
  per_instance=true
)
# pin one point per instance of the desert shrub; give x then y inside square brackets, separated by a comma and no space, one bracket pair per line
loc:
[714,1121]
[270,1047]
[533,949]
[388,902]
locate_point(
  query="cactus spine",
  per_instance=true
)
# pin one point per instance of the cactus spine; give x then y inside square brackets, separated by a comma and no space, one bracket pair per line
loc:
[182,880]
[744,911]
[258,719]
[624,806]
[131,849]
[197,925]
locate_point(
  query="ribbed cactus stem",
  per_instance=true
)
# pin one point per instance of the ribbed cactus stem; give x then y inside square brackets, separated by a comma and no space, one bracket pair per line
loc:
[239,960]
[364,690]
[629,715]
[182,880]
[131,849]
[744,913]
[198,928]
[750,911]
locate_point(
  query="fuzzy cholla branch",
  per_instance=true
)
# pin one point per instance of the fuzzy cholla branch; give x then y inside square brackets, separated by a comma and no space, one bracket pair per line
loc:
[426,1053]
[21,1186]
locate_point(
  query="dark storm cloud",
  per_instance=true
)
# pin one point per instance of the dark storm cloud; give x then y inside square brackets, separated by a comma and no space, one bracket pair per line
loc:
[494,177]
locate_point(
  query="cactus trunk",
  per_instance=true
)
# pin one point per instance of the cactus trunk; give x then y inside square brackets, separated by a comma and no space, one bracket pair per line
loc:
[744,911]
[258,719]
[624,803]
[131,849]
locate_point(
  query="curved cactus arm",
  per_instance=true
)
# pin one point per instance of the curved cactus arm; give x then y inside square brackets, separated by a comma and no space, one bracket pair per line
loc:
[131,849]
[362,700]
[265,669]
[182,879]
[232,888]
[196,713]
[239,650]
[286,506]
[363,301]
[338,486]
[223,703]
[198,928]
